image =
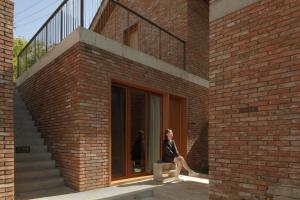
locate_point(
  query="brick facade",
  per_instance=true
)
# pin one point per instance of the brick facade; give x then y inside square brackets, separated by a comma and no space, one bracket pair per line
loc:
[51,97]
[70,101]
[6,101]
[254,103]
[186,19]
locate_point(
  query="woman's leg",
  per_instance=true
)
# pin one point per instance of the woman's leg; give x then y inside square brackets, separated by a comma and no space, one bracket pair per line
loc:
[184,164]
[178,167]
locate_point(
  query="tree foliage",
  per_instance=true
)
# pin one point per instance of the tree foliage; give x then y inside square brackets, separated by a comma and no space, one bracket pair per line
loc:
[19,44]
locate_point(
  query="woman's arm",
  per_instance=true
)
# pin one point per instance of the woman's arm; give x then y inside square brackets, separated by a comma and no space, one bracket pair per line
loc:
[175,149]
[167,150]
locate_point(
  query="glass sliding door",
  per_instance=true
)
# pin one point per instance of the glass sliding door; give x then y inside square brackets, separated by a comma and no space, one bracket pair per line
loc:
[118,132]
[138,130]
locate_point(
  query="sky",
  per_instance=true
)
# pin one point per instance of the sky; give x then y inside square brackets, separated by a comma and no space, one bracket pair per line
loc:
[31,14]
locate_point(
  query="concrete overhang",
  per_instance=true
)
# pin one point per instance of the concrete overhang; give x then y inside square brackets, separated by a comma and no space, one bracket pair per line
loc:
[221,8]
[94,39]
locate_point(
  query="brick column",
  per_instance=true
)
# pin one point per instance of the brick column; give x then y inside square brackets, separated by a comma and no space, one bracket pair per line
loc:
[6,101]
[254,100]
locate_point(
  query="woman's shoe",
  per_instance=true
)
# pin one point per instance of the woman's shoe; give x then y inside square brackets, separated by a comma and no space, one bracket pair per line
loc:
[194,174]
[177,179]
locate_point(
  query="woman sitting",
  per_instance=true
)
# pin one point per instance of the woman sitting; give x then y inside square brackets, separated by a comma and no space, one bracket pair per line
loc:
[171,155]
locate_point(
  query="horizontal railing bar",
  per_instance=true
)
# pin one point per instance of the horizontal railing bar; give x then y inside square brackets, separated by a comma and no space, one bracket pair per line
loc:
[149,21]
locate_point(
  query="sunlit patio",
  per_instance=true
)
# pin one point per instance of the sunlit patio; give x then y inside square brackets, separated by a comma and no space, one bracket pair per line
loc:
[189,188]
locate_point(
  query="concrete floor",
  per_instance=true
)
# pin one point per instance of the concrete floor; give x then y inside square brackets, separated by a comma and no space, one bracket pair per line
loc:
[188,189]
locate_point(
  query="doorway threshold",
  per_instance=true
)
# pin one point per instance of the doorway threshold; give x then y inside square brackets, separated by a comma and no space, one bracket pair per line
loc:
[131,180]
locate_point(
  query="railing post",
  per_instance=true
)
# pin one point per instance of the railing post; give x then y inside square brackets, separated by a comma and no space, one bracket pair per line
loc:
[82,13]
[61,25]
[18,66]
[46,38]
[26,63]
[35,54]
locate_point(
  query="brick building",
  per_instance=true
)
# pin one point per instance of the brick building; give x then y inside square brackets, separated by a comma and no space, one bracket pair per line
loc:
[254,111]
[6,101]
[101,97]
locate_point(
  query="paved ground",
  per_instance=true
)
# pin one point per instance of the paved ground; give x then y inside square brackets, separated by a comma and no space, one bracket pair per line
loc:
[188,189]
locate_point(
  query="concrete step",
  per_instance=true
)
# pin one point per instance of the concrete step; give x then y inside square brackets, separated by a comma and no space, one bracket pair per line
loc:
[32,174]
[19,157]
[26,134]
[18,102]
[21,112]
[28,141]
[35,165]
[19,106]
[38,184]
[24,128]
[38,148]
[21,116]
[24,123]
[23,119]
[18,99]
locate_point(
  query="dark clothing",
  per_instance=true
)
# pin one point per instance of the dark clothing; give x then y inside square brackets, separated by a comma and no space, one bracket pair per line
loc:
[137,152]
[169,151]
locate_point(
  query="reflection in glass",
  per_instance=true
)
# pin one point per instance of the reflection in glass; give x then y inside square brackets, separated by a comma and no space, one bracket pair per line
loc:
[138,119]
[118,132]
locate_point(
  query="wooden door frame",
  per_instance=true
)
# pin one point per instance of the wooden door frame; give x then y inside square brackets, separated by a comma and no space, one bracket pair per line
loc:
[128,88]
[183,128]
[165,123]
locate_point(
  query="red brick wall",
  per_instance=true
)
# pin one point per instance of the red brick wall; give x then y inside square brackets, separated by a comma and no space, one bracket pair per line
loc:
[186,19]
[131,72]
[72,107]
[6,101]
[52,98]
[197,37]
[254,100]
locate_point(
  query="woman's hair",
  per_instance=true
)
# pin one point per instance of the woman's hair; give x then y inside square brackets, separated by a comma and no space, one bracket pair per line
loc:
[166,133]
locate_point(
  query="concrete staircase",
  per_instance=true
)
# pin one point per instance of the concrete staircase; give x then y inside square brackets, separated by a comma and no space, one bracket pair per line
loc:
[35,171]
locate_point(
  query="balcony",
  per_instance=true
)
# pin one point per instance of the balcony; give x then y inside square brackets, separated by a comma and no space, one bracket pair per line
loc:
[110,19]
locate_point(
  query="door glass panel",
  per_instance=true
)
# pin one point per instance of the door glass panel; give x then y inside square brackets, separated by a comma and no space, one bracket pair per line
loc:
[118,132]
[154,130]
[138,127]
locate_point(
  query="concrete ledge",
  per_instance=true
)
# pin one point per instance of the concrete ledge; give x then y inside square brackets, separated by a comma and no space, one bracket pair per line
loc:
[101,42]
[66,44]
[221,8]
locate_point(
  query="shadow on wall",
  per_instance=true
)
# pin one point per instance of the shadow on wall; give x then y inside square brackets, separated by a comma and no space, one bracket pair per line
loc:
[198,155]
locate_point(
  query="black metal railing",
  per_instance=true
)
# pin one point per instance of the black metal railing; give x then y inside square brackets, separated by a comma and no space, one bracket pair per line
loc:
[66,18]
[71,14]
[153,39]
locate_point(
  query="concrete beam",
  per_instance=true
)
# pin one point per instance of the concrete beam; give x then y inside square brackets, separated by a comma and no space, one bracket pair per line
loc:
[221,8]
